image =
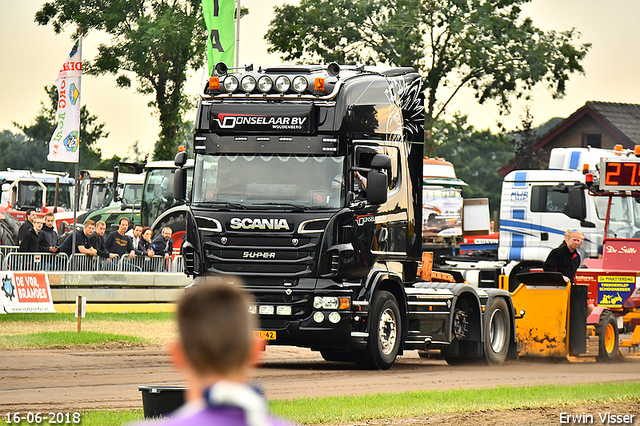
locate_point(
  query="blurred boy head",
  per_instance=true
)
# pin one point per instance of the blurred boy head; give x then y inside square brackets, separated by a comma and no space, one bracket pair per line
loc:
[216,336]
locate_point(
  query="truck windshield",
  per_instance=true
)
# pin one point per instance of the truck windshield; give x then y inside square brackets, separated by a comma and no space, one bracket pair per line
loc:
[307,181]
[624,218]
[30,195]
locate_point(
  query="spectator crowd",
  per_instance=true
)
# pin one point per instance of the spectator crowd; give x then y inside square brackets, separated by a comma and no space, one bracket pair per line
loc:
[38,236]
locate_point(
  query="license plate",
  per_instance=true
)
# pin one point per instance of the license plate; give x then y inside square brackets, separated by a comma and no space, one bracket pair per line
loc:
[266,335]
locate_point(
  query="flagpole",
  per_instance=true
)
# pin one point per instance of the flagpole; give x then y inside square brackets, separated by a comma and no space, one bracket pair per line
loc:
[76,191]
[238,10]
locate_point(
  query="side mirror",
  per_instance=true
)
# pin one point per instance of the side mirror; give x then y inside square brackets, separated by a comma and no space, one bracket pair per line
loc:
[180,183]
[381,162]
[377,187]
[181,159]
[576,207]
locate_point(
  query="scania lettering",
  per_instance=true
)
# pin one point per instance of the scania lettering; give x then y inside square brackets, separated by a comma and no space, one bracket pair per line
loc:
[320,216]
[249,223]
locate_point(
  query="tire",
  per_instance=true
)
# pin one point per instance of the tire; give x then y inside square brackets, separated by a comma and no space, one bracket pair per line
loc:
[497,332]
[608,338]
[385,334]
[337,356]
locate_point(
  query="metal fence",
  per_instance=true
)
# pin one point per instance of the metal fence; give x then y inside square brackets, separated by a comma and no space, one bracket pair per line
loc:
[14,261]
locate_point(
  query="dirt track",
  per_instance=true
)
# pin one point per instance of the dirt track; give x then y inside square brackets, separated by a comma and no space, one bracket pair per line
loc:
[82,379]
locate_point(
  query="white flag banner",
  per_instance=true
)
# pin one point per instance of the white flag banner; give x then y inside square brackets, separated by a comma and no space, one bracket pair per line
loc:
[64,145]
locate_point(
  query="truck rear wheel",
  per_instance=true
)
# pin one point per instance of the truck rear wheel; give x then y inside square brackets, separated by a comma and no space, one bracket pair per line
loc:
[385,333]
[608,335]
[496,332]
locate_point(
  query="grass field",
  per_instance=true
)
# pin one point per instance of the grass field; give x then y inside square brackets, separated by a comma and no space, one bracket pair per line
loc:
[21,331]
[349,409]
[99,329]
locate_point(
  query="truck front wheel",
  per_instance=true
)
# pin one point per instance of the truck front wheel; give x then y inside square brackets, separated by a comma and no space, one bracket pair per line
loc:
[496,332]
[385,333]
[608,335]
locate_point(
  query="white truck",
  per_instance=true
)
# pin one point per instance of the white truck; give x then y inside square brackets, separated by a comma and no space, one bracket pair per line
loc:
[538,206]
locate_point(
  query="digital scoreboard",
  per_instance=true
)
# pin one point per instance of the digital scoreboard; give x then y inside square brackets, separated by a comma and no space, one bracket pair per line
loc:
[620,174]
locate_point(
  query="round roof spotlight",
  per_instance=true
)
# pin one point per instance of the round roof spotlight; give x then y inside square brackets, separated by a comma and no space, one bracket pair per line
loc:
[265,84]
[230,83]
[283,83]
[300,84]
[333,69]
[248,83]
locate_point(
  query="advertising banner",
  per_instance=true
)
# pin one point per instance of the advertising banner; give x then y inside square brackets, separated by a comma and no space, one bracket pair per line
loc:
[25,292]
[66,138]
[218,15]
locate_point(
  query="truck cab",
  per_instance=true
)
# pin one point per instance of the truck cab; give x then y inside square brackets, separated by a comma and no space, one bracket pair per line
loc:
[539,206]
[307,190]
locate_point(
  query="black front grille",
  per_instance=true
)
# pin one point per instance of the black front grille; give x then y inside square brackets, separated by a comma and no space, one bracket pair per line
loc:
[288,256]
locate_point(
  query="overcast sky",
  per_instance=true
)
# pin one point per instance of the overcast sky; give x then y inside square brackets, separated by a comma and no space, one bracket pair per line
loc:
[32,55]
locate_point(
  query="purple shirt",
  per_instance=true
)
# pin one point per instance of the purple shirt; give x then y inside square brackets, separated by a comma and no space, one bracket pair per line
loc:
[198,414]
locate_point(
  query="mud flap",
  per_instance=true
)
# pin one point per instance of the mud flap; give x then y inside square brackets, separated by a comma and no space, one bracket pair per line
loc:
[578,320]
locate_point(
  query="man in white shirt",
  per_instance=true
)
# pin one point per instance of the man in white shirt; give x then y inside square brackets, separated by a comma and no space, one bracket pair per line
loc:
[135,234]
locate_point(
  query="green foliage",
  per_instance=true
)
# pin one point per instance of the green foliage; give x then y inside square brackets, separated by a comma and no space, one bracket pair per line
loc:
[476,155]
[153,41]
[483,45]
[30,153]
[524,139]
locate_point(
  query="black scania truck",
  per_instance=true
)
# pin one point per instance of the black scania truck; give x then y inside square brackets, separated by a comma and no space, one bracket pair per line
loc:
[307,190]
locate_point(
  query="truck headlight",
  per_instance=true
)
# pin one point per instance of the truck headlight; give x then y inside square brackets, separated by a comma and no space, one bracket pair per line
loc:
[230,83]
[283,83]
[334,317]
[266,310]
[329,302]
[248,83]
[283,310]
[300,84]
[265,84]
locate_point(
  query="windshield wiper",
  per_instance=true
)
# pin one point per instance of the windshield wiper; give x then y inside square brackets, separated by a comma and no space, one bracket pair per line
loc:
[229,204]
[294,206]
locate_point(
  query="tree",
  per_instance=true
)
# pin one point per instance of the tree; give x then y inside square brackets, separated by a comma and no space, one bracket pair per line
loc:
[484,45]
[476,154]
[524,139]
[31,152]
[157,41]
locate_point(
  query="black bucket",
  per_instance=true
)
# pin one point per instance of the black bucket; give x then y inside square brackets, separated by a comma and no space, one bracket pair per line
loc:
[159,401]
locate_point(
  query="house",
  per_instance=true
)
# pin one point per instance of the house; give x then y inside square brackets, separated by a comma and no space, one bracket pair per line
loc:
[596,124]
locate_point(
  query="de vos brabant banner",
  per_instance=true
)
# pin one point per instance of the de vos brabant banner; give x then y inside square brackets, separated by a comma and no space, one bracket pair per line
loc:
[218,15]
[25,292]
[64,144]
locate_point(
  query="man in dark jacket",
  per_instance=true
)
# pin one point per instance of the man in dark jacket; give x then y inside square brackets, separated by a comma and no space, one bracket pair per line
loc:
[83,246]
[27,225]
[163,244]
[29,242]
[48,237]
[119,244]
[565,258]
[97,240]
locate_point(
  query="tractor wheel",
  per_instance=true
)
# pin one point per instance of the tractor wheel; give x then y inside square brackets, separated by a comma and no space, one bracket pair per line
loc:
[385,334]
[496,332]
[608,336]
